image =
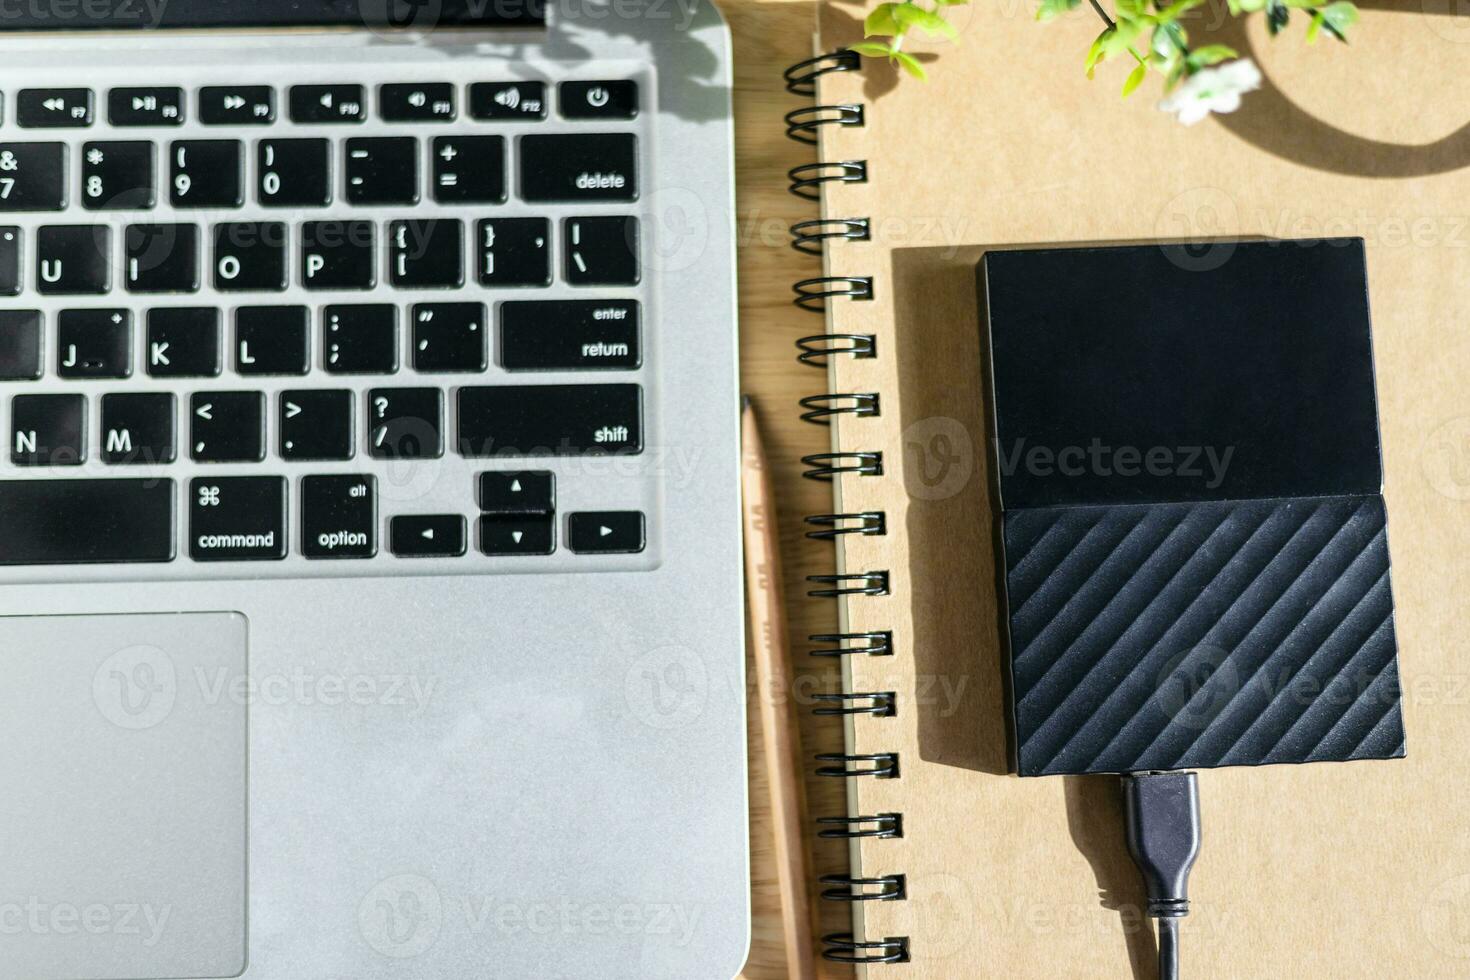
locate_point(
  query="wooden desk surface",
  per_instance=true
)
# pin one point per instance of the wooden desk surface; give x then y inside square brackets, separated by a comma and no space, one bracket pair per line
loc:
[768,36]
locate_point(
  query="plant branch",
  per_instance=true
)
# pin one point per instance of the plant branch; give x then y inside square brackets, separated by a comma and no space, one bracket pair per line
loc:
[1102,13]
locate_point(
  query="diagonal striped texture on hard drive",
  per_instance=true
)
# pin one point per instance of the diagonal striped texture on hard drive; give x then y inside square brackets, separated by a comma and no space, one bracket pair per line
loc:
[1187,463]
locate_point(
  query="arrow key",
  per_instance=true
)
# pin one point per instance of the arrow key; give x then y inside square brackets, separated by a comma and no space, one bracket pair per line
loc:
[316,424]
[526,492]
[608,533]
[428,535]
[517,535]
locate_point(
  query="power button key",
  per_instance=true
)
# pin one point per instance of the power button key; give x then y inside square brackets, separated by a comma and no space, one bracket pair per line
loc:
[599,100]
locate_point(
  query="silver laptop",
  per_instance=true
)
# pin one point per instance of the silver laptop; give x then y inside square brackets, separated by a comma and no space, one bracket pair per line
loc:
[370,593]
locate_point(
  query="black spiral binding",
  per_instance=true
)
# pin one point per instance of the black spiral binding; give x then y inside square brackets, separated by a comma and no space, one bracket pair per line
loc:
[819,295]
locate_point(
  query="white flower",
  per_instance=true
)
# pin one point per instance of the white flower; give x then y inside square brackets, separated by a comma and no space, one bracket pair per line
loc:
[1210,90]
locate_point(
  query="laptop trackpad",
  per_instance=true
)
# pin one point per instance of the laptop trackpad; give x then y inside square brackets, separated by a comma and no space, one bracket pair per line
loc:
[122,814]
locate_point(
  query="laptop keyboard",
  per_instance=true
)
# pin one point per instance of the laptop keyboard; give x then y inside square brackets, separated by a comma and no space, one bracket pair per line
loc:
[357,320]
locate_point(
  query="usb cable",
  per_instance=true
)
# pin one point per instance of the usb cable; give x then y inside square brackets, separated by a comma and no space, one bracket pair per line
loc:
[1163,837]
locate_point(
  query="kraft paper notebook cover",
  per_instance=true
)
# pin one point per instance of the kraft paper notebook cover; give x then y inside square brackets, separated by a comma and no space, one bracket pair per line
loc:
[1335,870]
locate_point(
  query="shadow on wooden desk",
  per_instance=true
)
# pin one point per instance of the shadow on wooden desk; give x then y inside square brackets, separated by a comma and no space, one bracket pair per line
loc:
[768,36]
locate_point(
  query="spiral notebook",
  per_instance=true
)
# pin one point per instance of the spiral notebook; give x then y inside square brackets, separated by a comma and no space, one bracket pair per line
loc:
[958,868]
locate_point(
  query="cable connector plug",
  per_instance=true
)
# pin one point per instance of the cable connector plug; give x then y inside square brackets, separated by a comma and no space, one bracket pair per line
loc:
[1164,839]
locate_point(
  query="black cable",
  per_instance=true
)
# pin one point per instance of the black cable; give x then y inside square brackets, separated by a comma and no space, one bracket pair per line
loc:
[1164,838]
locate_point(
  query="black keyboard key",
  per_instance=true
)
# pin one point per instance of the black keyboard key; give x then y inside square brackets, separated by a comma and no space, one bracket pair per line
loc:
[48,430]
[53,108]
[227,427]
[382,170]
[20,344]
[339,516]
[514,251]
[517,535]
[161,258]
[601,251]
[506,101]
[183,342]
[294,173]
[32,176]
[426,254]
[73,259]
[428,102]
[550,420]
[79,522]
[469,169]
[138,428]
[580,167]
[328,104]
[237,518]
[118,176]
[10,242]
[449,337]
[360,339]
[551,335]
[94,343]
[145,106]
[316,424]
[406,423]
[237,105]
[427,535]
[250,256]
[207,174]
[619,532]
[339,254]
[599,100]
[272,340]
[521,492]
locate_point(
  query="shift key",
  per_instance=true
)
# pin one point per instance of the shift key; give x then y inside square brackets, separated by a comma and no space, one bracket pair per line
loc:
[550,420]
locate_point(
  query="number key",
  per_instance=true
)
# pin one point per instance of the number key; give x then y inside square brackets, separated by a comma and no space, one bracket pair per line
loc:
[32,176]
[293,173]
[117,176]
[206,174]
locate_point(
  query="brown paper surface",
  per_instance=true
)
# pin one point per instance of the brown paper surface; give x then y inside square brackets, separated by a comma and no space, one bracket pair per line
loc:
[1344,871]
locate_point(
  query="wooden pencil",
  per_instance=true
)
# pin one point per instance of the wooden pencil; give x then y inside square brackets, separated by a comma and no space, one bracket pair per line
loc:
[780,734]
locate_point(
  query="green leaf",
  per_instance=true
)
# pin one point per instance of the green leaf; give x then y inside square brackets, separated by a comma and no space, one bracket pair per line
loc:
[1177,9]
[1050,9]
[1338,17]
[1098,52]
[1175,74]
[1210,54]
[882,21]
[1238,7]
[1314,27]
[873,49]
[1122,37]
[1277,15]
[1135,78]
[1131,8]
[1168,40]
[911,65]
[911,15]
